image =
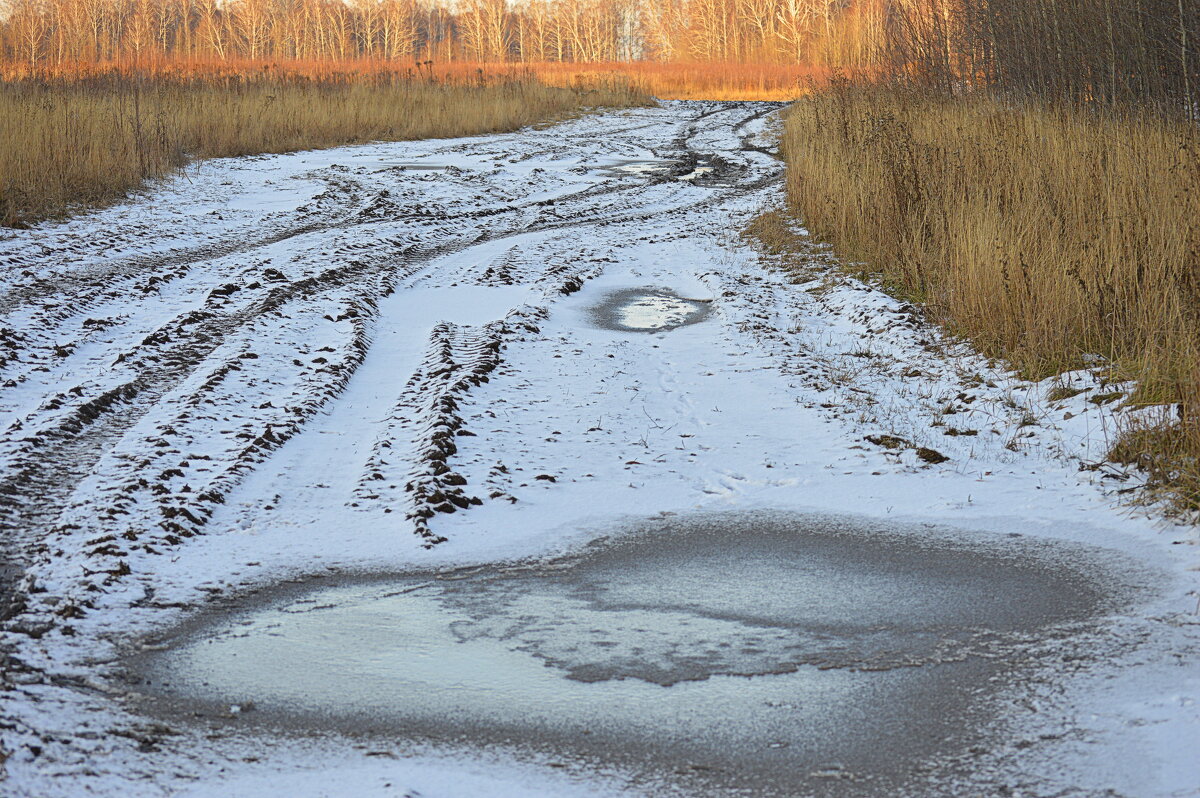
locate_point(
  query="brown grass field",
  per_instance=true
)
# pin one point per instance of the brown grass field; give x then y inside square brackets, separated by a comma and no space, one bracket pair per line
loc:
[695,81]
[665,80]
[1042,234]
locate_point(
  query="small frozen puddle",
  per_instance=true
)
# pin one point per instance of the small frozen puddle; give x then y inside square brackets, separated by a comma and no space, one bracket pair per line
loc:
[761,652]
[690,169]
[643,167]
[699,171]
[416,166]
[648,310]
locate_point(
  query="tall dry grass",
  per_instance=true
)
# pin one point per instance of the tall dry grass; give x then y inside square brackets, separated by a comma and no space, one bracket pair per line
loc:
[666,80]
[69,142]
[693,81]
[1043,234]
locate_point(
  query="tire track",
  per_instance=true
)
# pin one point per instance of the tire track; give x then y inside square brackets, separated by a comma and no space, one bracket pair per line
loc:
[147,488]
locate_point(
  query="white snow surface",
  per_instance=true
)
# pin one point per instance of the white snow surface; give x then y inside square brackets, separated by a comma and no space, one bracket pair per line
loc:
[252,373]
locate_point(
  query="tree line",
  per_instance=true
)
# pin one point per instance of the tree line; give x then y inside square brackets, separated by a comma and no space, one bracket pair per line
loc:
[1110,51]
[63,32]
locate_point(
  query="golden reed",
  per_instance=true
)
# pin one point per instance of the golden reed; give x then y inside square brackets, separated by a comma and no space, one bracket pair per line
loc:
[1044,234]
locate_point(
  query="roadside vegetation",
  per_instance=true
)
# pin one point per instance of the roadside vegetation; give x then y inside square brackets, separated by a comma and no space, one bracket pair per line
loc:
[1031,173]
[72,142]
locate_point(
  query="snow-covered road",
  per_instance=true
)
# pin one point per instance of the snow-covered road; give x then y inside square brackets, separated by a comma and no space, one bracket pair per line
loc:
[388,357]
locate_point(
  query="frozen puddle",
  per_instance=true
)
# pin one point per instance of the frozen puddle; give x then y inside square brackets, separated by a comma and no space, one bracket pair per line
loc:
[416,166]
[764,652]
[699,171]
[680,170]
[648,310]
[651,166]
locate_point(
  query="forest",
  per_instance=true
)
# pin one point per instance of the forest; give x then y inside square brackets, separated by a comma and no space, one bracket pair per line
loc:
[72,32]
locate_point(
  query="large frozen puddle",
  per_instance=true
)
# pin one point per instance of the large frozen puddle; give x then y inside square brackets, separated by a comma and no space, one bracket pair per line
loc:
[770,652]
[648,310]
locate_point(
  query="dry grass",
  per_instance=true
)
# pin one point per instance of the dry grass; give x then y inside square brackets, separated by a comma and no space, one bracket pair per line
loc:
[694,81]
[68,142]
[788,247]
[774,234]
[669,81]
[1042,234]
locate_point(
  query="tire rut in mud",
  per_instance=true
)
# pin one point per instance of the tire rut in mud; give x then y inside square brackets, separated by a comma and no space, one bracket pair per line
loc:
[87,285]
[76,435]
[58,458]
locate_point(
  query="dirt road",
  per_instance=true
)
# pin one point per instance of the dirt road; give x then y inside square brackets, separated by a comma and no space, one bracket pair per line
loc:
[445,353]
